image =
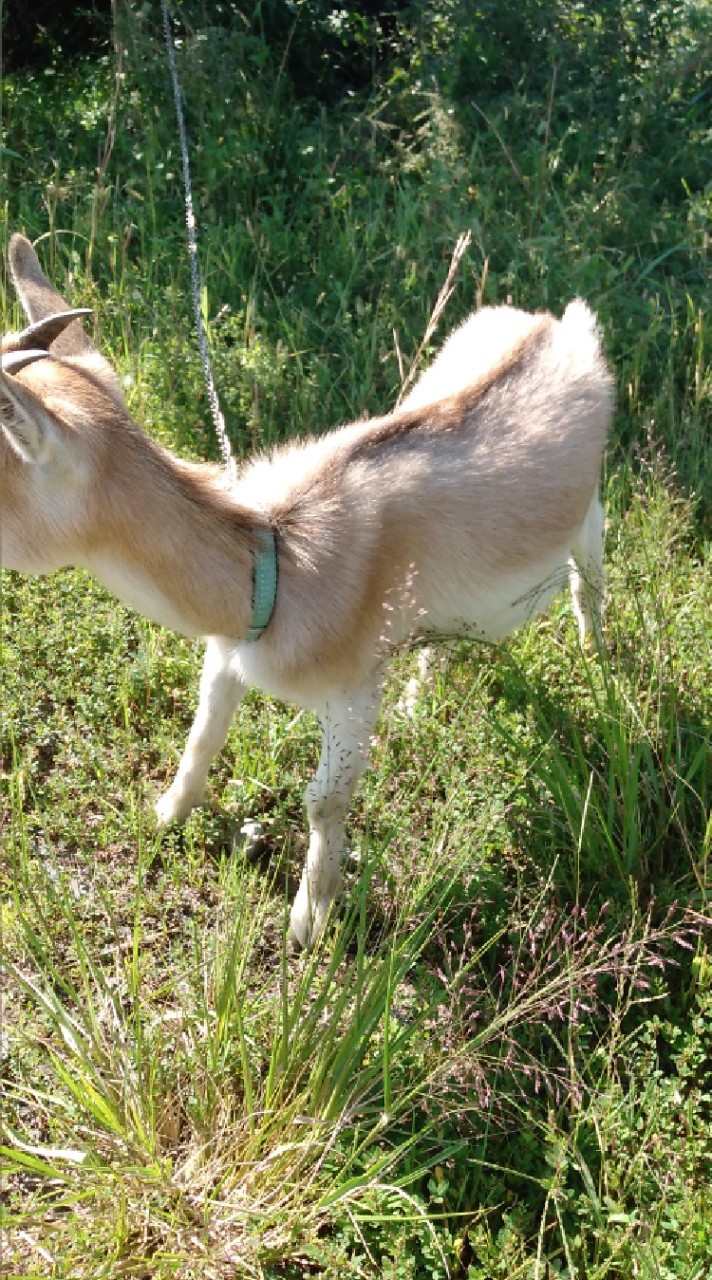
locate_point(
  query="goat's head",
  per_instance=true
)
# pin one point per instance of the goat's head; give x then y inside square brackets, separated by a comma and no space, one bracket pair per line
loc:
[56,393]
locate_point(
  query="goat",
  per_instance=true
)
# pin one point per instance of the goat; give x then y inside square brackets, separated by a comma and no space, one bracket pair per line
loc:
[460,513]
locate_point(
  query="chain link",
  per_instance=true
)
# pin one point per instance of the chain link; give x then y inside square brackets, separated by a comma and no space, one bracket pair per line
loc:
[196,283]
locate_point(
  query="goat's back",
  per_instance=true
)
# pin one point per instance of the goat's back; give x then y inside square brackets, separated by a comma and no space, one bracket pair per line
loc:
[454,515]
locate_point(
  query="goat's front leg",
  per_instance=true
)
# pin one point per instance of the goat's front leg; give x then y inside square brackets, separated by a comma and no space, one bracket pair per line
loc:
[347,724]
[220,692]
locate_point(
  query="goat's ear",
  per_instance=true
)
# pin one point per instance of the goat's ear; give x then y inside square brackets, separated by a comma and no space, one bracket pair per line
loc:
[41,301]
[28,427]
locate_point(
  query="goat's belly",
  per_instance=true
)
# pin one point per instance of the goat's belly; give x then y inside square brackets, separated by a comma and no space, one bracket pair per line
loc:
[491,610]
[446,606]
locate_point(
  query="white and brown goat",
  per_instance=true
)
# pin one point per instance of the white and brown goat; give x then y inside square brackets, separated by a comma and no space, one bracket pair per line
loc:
[459,513]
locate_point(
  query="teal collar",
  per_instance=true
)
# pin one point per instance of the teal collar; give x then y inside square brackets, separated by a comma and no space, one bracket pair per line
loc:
[265,572]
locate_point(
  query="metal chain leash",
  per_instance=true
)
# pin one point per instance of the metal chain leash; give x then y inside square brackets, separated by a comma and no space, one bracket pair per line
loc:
[196,283]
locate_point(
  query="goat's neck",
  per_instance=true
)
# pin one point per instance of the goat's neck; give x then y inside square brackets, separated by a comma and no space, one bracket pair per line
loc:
[168,540]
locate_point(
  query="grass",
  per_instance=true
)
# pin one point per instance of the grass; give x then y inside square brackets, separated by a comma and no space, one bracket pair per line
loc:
[497,1062]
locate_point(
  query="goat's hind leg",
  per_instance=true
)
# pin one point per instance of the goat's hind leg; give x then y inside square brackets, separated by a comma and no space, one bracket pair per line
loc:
[220,692]
[587,578]
[347,724]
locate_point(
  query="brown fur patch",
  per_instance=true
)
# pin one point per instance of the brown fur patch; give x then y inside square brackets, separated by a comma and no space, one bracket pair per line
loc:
[450,413]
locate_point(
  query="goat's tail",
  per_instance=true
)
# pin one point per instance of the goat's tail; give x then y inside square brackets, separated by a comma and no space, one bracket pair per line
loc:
[578,315]
[580,347]
[581,327]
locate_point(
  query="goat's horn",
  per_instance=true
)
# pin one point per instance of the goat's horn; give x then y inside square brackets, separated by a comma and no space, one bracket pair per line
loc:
[44,332]
[13,361]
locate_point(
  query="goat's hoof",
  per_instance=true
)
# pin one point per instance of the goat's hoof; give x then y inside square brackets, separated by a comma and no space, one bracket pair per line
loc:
[172,810]
[591,644]
[307,919]
[252,840]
